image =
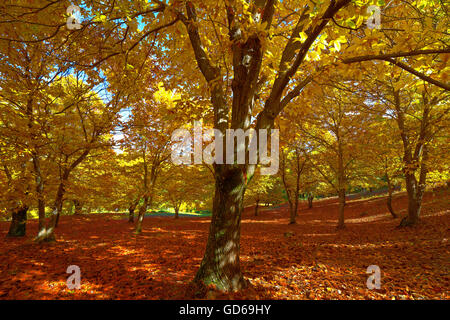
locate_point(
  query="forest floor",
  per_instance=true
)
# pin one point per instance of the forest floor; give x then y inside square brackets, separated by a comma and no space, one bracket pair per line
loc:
[309,260]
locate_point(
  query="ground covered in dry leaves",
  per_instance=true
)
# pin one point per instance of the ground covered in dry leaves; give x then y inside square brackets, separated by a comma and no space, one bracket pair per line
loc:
[310,260]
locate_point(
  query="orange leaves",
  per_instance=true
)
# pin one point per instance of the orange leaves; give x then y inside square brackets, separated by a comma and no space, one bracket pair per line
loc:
[315,262]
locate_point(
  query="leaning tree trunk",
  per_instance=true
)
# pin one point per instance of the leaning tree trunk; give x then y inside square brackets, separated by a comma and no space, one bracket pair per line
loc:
[141,214]
[389,199]
[220,265]
[18,222]
[59,207]
[389,205]
[341,223]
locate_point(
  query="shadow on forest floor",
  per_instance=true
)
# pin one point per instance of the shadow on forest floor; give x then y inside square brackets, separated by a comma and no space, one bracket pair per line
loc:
[309,260]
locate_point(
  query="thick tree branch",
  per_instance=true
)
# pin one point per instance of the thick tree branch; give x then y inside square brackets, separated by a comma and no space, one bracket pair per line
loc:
[419,75]
[208,70]
[389,58]
[394,55]
[295,92]
[273,106]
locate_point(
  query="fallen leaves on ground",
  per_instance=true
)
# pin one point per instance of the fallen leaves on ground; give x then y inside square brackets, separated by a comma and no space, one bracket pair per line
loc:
[309,260]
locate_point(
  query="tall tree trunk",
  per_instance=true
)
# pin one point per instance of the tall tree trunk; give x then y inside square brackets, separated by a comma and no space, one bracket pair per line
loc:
[50,229]
[130,215]
[256,207]
[415,189]
[43,235]
[293,206]
[341,184]
[131,209]
[59,207]
[177,209]
[294,214]
[64,178]
[310,201]
[17,227]
[414,202]
[341,223]
[148,186]
[42,228]
[298,172]
[78,206]
[59,202]
[18,222]
[49,234]
[291,213]
[220,265]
